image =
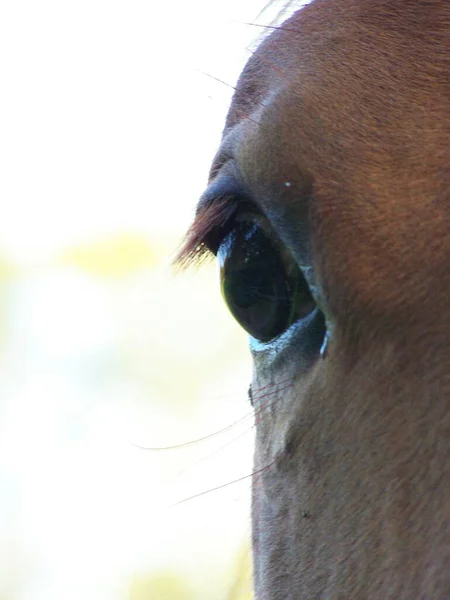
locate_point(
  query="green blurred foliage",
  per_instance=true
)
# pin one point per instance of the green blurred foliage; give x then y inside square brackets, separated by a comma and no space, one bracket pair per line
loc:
[161,586]
[241,576]
[7,272]
[115,256]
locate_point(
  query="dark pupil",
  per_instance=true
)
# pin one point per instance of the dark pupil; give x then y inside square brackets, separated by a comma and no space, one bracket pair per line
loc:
[250,287]
[254,283]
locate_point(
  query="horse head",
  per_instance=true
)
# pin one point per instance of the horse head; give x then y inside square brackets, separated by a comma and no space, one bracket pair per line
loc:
[328,210]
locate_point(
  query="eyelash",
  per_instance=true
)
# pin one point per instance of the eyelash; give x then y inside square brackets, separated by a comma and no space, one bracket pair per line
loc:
[211,225]
[243,210]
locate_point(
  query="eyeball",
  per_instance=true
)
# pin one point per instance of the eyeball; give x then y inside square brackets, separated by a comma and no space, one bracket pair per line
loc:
[262,285]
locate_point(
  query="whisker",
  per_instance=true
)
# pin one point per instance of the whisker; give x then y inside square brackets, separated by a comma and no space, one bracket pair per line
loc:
[196,441]
[262,26]
[220,487]
[256,395]
[269,404]
[270,385]
[213,453]
[275,68]
[265,406]
[280,13]
[233,87]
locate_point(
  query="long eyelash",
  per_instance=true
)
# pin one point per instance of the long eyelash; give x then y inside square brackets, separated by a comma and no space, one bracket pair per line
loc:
[205,233]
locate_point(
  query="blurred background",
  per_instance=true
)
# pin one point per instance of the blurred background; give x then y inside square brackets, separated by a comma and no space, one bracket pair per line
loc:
[110,115]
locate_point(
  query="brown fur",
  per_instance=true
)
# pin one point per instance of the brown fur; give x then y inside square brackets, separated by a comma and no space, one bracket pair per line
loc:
[349,103]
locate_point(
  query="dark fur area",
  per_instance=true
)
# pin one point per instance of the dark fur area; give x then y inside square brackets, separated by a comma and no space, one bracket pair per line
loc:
[339,131]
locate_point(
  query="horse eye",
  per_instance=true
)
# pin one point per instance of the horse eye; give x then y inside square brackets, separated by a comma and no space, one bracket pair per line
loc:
[261,284]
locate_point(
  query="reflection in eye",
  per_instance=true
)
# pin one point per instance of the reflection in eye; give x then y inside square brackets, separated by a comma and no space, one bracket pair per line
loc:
[262,285]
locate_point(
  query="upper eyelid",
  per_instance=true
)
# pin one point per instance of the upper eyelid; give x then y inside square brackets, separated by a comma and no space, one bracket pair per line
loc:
[227,190]
[216,211]
[232,208]
[224,185]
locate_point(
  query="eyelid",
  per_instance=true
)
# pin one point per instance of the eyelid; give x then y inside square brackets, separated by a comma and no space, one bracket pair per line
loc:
[222,202]
[224,198]
[224,185]
[243,211]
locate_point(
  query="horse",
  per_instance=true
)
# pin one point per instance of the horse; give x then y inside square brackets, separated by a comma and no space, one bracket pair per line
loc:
[328,209]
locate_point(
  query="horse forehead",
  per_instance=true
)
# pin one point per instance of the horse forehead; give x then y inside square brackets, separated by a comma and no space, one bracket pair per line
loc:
[371,79]
[347,129]
[352,95]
